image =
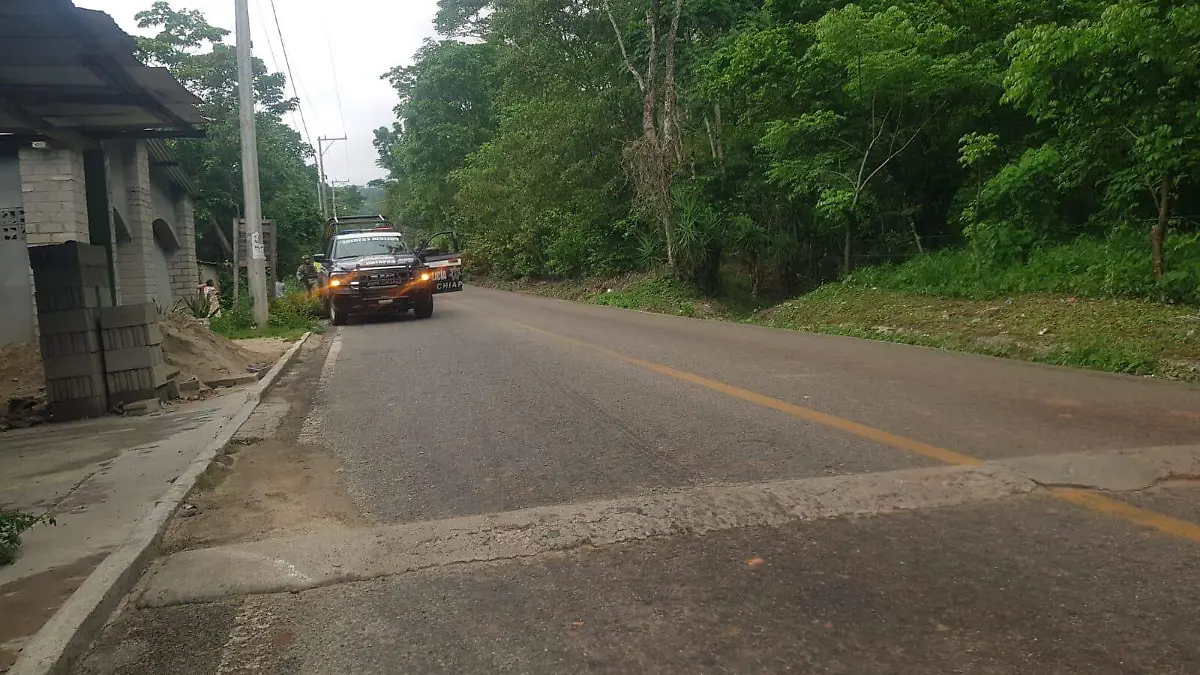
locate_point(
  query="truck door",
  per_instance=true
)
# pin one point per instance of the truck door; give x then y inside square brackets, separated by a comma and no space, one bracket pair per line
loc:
[445,264]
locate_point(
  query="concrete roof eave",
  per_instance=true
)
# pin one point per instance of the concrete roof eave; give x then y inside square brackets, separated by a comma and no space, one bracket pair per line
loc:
[70,75]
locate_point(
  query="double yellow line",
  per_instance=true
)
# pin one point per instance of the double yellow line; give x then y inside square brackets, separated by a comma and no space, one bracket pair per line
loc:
[1084,498]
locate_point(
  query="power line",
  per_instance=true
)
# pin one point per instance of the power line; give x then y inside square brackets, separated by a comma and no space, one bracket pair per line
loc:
[291,76]
[262,19]
[338,92]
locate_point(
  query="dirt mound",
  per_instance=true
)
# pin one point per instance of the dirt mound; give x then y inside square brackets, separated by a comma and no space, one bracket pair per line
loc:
[188,345]
[21,373]
[198,352]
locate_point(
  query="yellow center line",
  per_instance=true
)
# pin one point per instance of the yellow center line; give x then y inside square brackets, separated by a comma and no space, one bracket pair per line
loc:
[1134,514]
[1083,498]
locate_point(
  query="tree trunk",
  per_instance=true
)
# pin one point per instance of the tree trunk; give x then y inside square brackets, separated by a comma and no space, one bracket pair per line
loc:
[1158,233]
[668,218]
[846,246]
[650,98]
[720,134]
[669,95]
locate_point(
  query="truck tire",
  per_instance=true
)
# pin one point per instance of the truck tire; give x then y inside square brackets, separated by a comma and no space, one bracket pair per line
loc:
[424,308]
[337,317]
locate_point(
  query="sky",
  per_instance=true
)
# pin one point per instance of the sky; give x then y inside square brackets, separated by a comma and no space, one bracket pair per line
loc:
[347,42]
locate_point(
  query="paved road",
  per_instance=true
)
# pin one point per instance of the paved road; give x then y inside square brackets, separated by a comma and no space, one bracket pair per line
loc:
[679,496]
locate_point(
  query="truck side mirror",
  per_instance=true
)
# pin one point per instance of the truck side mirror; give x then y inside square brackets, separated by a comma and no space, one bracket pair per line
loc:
[319,257]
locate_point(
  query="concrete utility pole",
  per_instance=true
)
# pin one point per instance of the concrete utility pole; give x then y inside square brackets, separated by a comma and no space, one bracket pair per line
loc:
[321,140]
[257,258]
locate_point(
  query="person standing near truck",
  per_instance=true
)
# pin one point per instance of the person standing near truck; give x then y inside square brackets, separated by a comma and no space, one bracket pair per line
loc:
[308,273]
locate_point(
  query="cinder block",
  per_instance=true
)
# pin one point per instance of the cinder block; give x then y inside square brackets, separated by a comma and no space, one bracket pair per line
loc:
[80,408]
[65,344]
[70,277]
[135,380]
[129,315]
[133,358]
[73,388]
[133,385]
[67,299]
[68,254]
[72,321]
[131,336]
[74,365]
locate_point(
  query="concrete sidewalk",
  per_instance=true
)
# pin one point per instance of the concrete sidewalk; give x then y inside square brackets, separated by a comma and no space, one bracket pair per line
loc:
[98,478]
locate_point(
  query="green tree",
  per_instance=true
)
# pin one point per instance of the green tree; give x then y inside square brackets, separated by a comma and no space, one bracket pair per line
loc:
[445,113]
[790,140]
[1120,91]
[350,200]
[194,52]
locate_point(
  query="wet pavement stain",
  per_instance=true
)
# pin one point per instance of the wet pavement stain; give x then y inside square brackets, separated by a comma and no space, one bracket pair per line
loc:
[26,604]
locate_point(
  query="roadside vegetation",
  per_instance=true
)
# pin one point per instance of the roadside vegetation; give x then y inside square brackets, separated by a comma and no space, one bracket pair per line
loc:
[1121,335]
[12,525]
[290,316]
[1017,178]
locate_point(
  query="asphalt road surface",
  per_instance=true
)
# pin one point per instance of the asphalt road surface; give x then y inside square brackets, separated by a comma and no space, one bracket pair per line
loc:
[547,487]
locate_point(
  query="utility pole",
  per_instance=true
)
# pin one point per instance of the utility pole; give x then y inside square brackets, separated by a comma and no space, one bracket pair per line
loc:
[257,258]
[320,188]
[321,140]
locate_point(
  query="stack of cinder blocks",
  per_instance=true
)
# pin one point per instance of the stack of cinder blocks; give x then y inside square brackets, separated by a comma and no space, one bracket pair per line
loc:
[70,276]
[133,358]
[71,285]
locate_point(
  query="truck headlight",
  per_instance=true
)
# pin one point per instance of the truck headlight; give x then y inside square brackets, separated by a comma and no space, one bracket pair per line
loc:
[425,276]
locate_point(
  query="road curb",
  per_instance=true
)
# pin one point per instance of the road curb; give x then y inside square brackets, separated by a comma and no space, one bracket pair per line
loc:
[54,649]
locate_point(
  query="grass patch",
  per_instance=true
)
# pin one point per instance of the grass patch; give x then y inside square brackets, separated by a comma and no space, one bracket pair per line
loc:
[1115,335]
[1114,267]
[289,317]
[1118,335]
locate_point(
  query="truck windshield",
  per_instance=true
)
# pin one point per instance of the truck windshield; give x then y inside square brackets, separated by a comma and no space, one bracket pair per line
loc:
[365,246]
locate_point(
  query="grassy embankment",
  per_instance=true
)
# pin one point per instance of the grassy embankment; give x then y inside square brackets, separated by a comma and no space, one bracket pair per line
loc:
[1031,313]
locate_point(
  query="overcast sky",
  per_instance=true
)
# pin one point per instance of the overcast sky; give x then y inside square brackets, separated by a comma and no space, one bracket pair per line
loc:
[367,37]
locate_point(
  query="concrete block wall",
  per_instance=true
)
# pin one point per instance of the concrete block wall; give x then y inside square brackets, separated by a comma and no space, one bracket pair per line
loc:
[185,272]
[134,366]
[54,195]
[135,276]
[71,284]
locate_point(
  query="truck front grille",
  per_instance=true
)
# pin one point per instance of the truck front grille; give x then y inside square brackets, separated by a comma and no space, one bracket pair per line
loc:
[385,278]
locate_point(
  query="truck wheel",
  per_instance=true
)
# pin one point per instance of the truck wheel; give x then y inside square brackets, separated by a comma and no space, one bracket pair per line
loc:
[336,316]
[424,309]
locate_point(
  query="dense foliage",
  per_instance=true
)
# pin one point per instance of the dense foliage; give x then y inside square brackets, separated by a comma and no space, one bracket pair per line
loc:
[794,141]
[195,53]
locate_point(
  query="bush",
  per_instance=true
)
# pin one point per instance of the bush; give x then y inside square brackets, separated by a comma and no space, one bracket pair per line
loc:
[293,313]
[1118,266]
[234,319]
[12,525]
[295,310]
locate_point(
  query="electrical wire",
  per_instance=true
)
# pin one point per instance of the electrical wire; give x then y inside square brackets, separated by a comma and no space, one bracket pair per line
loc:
[262,19]
[292,77]
[338,93]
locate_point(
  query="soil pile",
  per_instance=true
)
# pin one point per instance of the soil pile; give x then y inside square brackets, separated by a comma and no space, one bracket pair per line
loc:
[199,353]
[188,346]
[21,373]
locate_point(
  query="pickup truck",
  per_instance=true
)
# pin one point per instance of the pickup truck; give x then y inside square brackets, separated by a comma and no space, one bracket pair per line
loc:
[372,271]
